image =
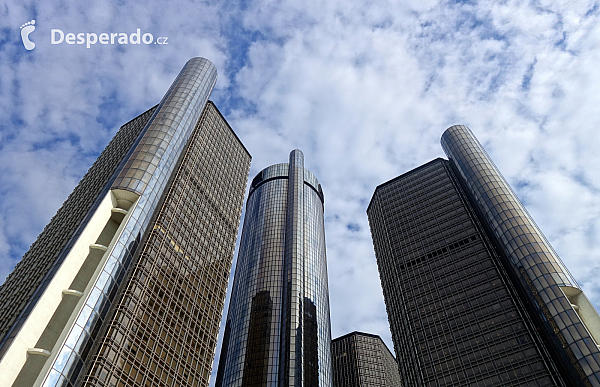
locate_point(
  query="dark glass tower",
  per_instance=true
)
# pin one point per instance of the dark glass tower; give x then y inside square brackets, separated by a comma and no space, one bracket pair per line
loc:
[278,331]
[363,360]
[131,291]
[474,292]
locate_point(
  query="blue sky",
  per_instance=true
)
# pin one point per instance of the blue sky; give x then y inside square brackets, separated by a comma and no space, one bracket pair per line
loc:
[365,89]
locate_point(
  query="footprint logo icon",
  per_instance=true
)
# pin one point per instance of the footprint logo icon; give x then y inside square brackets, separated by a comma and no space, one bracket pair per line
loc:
[26,29]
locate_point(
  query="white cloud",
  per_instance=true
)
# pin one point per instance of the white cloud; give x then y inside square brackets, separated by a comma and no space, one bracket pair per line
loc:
[365,89]
[367,104]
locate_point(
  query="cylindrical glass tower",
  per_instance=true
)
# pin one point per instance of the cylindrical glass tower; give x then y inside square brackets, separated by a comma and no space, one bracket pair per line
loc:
[138,187]
[572,324]
[278,330]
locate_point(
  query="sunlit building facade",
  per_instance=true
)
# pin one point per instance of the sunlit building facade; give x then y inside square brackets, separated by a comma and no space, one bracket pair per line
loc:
[277,331]
[363,360]
[126,285]
[475,294]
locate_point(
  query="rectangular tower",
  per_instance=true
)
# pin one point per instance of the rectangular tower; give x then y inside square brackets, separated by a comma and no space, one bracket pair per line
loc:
[363,360]
[165,325]
[135,294]
[48,250]
[474,292]
[454,318]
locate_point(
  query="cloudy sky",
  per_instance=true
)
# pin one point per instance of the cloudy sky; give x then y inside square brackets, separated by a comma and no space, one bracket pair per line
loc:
[364,88]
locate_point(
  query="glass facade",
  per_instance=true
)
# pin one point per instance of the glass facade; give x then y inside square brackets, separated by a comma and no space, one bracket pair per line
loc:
[165,136]
[570,324]
[277,331]
[136,294]
[455,317]
[170,127]
[363,360]
[165,326]
[47,253]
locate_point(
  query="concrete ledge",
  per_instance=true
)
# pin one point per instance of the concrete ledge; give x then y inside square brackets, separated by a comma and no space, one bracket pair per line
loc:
[39,351]
[118,214]
[119,211]
[71,292]
[98,247]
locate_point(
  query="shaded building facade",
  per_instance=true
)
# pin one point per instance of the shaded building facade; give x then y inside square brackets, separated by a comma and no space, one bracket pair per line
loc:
[475,294]
[133,292]
[363,360]
[277,331]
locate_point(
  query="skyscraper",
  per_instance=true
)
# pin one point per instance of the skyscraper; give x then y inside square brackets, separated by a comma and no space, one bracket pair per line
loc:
[474,292]
[363,360]
[277,331]
[126,284]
